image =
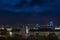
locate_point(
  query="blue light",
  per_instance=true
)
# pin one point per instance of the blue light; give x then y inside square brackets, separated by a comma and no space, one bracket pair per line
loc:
[51,23]
[37,25]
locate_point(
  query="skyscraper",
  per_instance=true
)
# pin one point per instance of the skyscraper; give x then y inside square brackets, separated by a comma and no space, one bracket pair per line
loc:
[51,25]
[27,31]
[37,27]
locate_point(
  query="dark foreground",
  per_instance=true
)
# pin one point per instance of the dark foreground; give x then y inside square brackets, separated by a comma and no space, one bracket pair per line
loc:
[49,37]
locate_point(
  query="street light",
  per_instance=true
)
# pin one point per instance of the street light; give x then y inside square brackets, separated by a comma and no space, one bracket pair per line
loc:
[10,33]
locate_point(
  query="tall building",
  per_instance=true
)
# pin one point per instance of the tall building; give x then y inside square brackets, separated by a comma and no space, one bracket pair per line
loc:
[27,31]
[37,27]
[51,24]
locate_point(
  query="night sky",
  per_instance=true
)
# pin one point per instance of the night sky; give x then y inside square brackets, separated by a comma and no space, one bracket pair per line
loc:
[29,11]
